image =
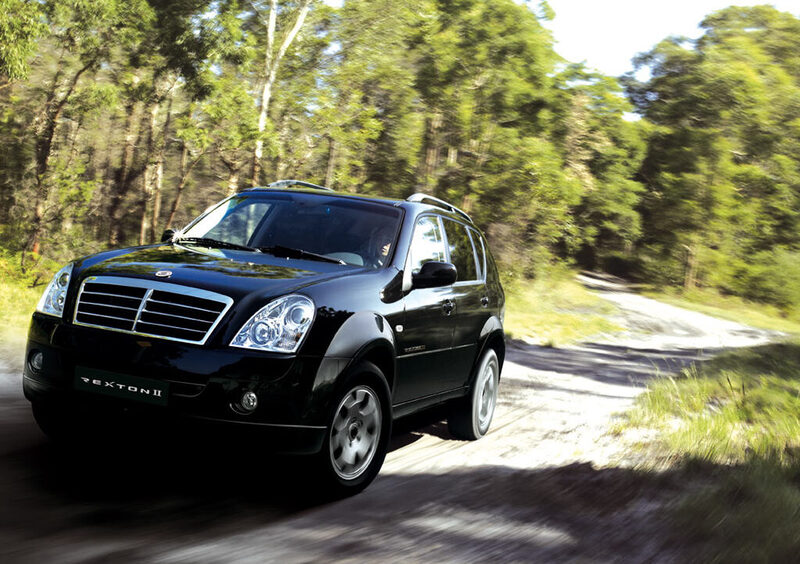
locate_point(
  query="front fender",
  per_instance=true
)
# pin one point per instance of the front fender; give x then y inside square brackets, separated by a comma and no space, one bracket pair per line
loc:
[362,336]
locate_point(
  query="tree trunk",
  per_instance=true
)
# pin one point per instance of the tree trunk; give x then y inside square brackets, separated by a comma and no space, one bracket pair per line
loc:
[331,162]
[185,170]
[272,62]
[258,152]
[452,155]
[48,122]
[121,174]
[233,181]
[161,150]
[690,278]
[148,180]
[432,151]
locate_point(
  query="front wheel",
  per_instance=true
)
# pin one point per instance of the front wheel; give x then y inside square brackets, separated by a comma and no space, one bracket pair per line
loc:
[358,432]
[471,416]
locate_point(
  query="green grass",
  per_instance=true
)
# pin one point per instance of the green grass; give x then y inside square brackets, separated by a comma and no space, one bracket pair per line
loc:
[732,308]
[734,423]
[742,404]
[18,298]
[555,311]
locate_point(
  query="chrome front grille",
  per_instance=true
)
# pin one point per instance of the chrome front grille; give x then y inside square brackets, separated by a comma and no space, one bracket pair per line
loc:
[150,308]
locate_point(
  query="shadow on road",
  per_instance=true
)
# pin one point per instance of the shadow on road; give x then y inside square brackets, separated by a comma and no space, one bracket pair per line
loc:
[163,501]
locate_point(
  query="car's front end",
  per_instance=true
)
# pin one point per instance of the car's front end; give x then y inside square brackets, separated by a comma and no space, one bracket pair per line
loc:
[185,330]
[138,343]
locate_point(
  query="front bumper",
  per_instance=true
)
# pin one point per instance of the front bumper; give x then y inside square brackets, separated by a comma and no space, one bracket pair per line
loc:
[205,382]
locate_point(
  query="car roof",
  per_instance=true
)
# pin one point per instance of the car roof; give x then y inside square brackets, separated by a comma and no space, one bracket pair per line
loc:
[416,203]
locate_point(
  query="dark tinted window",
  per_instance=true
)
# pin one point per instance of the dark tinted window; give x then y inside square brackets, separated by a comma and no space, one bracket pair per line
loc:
[357,232]
[461,253]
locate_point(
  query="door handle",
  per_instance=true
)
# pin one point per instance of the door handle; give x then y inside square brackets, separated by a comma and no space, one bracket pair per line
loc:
[485,301]
[448,306]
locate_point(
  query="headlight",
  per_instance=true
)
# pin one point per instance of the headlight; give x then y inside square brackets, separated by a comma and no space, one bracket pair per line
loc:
[279,326]
[52,302]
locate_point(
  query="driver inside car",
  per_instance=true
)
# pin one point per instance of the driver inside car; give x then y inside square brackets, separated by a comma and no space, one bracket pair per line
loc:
[380,243]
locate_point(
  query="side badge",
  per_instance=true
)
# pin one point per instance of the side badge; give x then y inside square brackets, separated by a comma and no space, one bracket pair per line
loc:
[164,273]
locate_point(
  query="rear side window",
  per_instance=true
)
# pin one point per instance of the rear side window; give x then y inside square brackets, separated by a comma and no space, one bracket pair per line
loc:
[480,252]
[427,244]
[462,254]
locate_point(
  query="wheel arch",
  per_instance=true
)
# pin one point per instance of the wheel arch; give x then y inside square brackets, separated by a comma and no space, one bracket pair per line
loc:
[364,336]
[491,336]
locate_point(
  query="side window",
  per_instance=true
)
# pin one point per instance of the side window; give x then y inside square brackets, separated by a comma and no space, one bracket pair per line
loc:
[427,244]
[461,252]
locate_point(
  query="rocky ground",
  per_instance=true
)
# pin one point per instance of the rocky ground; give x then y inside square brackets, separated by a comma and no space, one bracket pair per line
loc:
[548,483]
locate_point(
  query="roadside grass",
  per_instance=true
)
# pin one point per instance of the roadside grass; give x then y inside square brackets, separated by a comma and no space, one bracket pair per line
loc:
[18,298]
[732,308]
[733,426]
[555,311]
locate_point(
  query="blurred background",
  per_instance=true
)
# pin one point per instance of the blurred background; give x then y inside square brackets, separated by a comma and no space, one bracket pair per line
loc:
[658,142]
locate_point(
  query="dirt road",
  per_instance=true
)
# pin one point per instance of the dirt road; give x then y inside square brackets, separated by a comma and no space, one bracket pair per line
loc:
[544,485]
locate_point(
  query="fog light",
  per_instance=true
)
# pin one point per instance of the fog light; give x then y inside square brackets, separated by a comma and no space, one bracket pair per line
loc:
[36,361]
[249,401]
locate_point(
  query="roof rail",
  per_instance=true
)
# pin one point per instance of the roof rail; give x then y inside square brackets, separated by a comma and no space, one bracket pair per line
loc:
[426,199]
[288,183]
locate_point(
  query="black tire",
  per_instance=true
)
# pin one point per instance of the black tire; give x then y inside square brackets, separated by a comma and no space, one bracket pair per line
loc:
[471,416]
[359,426]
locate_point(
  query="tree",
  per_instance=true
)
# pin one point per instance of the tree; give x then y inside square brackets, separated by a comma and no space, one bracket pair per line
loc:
[603,151]
[722,171]
[85,32]
[273,55]
[21,24]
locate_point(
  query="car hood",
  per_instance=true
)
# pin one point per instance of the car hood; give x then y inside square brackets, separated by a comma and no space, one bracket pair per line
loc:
[233,273]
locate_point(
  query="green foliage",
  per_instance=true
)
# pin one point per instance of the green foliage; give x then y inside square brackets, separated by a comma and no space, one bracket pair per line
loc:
[19,293]
[131,106]
[21,24]
[226,120]
[722,206]
[737,407]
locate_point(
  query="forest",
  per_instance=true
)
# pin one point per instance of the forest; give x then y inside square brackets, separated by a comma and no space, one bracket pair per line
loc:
[120,118]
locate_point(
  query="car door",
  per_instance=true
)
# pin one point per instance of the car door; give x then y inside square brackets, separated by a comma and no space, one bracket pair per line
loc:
[423,345]
[470,296]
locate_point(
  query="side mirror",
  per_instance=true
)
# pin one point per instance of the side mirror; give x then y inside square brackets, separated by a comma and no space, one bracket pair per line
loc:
[434,275]
[167,235]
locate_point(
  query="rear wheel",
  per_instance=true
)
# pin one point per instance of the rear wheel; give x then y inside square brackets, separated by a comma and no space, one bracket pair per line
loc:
[471,416]
[358,431]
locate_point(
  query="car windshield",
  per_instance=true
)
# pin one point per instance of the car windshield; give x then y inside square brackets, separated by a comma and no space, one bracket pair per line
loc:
[301,225]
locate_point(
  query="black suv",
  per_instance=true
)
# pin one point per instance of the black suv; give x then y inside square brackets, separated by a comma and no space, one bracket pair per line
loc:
[317,316]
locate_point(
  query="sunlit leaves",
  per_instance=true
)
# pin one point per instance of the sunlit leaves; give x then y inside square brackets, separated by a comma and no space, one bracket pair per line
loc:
[21,24]
[723,173]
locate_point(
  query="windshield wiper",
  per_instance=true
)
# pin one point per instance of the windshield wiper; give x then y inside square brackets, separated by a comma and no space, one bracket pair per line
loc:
[216,244]
[281,251]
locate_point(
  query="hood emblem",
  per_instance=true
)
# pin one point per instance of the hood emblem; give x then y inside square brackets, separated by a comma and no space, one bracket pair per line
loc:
[164,273]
